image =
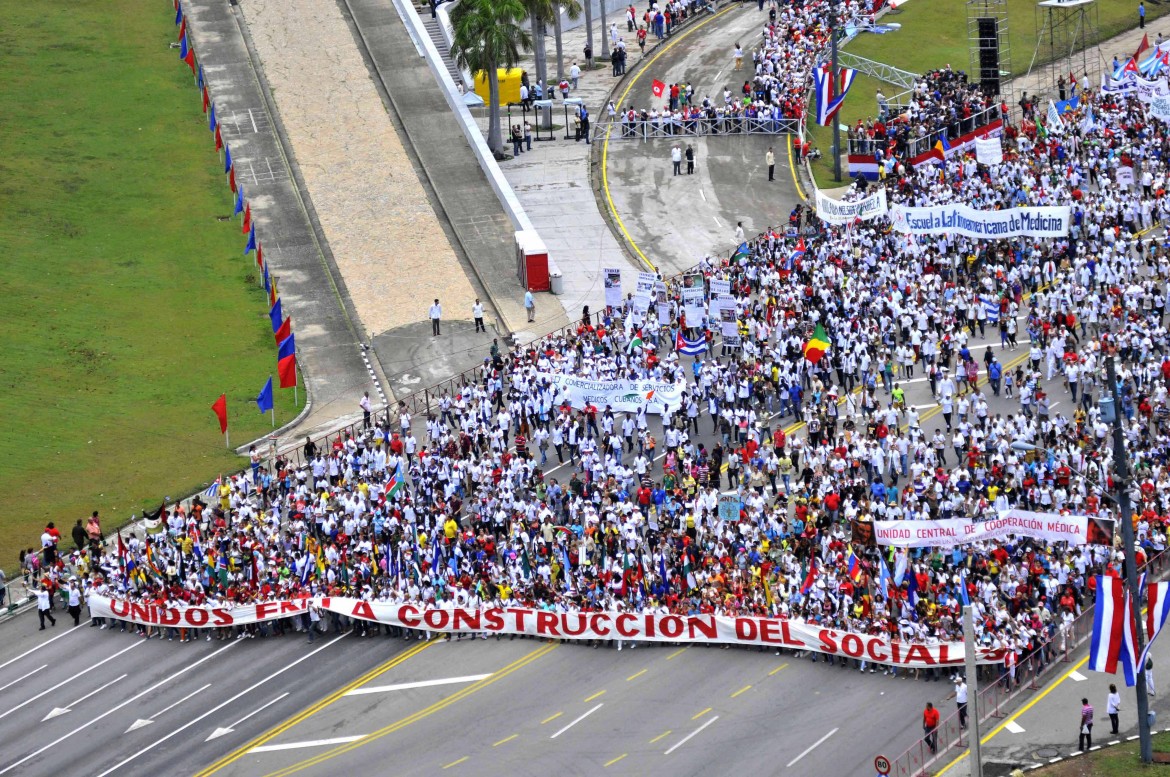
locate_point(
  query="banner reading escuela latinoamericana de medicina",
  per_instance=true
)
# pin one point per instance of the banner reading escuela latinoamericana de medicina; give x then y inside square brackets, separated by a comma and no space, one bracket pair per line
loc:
[958,219]
[641,626]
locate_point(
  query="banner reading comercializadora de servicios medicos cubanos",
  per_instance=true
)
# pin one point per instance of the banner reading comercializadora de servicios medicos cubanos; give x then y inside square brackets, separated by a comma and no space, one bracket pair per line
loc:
[624,396]
[958,219]
[642,627]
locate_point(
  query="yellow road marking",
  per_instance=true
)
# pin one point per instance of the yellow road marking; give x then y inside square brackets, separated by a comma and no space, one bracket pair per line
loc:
[594,696]
[701,714]
[660,736]
[235,755]
[609,129]
[744,689]
[505,740]
[636,675]
[777,669]
[417,716]
[1021,711]
[680,651]
[792,167]
[456,763]
[551,718]
[614,761]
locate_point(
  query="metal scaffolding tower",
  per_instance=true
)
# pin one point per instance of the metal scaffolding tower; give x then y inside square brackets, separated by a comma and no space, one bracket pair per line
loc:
[989,47]
[1067,43]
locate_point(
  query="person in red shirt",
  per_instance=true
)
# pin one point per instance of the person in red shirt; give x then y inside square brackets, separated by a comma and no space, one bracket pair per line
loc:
[930,727]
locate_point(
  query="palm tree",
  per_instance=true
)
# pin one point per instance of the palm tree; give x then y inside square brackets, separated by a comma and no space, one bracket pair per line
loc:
[487,35]
[589,23]
[604,32]
[572,9]
[540,14]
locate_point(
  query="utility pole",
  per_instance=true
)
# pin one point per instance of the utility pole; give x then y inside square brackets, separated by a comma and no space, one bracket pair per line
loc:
[1121,478]
[833,90]
[972,690]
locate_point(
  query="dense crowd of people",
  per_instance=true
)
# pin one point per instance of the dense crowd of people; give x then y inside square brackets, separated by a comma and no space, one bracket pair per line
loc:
[506,494]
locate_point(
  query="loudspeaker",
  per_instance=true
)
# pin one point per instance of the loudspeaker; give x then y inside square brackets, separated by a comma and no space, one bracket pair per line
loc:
[988,55]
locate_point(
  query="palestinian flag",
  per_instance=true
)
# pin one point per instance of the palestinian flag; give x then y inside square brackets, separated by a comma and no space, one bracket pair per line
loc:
[689,572]
[815,348]
[396,482]
[635,343]
[811,577]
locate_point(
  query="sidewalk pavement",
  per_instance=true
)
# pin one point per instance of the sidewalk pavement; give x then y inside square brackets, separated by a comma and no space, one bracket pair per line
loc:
[553,183]
[311,289]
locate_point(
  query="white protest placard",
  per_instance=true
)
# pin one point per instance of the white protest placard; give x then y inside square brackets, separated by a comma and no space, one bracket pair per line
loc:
[693,304]
[719,288]
[613,286]
[989,151]
[1124,177]
[1160,107]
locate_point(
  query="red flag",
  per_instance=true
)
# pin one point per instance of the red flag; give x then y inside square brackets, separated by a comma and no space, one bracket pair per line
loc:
[259,255]
[218,138]
[658,88]
[182,28]
[811,577]
[219,407]
[232,178]
[286,370]
[1145,45]
[206,101]
[272,295]
[247,218]
[190,58]
[284,331]
[121,549]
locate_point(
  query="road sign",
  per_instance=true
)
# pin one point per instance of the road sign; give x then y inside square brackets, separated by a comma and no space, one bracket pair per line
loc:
[882,764]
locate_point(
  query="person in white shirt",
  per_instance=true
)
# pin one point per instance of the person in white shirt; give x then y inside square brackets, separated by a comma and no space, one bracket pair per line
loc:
[436,314]
[961,699]
[676,158]
[44,603]
[1113,706]
[477,314]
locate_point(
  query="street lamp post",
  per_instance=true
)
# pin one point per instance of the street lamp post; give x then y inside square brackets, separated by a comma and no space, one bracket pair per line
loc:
[1121,480]
[972,690]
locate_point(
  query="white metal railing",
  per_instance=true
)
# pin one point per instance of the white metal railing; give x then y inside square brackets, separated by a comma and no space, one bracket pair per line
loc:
[648,129]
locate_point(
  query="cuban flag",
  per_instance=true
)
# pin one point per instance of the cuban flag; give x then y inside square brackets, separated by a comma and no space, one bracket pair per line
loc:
[797,253]
[1130,66]
[830,96]
[991,304]
[213,489]
[1113,630]
[690,347]
[1157,613]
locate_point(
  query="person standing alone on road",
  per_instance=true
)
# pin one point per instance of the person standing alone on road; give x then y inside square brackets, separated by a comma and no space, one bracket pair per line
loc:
[738,56]
[364,404]
[930,727]
[961,699]
[1141,16]
[530,306]
[436,316]
[690,160]
[44,602]
[74,594]
[770,158]
[676,158]
[477,314]
[1086,739]
[1113,706]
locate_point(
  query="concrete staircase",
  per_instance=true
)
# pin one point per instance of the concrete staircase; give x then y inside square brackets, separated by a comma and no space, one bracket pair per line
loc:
[436,33]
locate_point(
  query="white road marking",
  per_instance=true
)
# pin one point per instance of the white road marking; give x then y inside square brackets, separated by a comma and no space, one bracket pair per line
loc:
[220,706]
[811,747]
[112,710]
[253,118]
[38,647]
[23,676]
[147,721]
[57,711]
[1077,677]
[684,740]
[704,196]
[221,731]
[578,720]
[471,678]
[310,743]
[1014,727]
[68,680]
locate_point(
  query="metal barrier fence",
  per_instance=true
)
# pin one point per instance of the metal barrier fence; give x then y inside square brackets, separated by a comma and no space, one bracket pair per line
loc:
[920,145]
[667,127]
[995,700]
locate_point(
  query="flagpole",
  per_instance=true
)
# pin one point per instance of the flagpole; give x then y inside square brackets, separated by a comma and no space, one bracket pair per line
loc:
[273,408]
[835,83]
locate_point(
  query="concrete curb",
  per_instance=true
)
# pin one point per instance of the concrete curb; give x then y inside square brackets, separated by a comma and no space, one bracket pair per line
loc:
[1092,749]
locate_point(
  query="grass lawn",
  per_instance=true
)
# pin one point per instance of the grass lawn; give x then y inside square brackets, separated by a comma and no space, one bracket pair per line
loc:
[933,34]
[1118,761]
[128,306]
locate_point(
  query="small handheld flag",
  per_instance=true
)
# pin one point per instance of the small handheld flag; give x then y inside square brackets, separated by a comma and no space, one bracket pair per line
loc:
[814,349]
[690,347]
[658,88]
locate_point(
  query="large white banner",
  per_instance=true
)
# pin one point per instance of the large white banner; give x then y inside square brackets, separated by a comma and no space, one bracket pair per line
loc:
[957,219]
[643,627]
[624,396]
[945,533]
[838,212]
[1160,107]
